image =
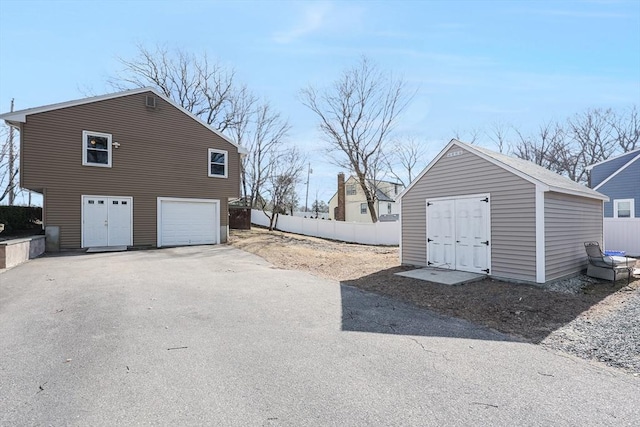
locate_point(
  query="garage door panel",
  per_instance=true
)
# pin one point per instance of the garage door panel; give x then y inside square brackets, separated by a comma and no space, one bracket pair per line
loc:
[188,222]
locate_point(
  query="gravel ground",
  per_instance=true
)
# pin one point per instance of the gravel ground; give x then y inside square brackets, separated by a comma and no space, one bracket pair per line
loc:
[609,334]
[581,316]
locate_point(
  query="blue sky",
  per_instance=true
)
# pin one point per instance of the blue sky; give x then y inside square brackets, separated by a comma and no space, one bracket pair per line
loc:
[472,63]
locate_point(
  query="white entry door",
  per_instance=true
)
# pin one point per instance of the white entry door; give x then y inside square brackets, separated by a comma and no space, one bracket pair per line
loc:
[107,221]
[461,226]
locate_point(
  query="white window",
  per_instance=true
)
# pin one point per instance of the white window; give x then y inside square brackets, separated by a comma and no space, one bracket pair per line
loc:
[363,208]
[389,208]
[96,149]
[218,163]
[351,190]
[623,208]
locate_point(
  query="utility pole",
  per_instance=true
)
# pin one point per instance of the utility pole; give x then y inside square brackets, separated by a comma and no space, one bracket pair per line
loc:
[12,175]
[306,199]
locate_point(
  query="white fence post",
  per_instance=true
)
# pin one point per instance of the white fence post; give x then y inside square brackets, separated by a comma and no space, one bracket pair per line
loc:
[380,233]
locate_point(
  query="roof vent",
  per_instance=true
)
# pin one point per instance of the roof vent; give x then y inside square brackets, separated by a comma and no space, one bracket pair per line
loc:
[151,101]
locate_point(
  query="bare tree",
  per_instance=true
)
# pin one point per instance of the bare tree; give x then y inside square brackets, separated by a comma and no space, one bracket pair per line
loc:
[284,174]
[210,91]
[199,85]
[9,163]
[540,147]
[469,135]
[627,129]
[583,139]
[500,133]
[357,114]
[262,131]
[319,206]
[405,159]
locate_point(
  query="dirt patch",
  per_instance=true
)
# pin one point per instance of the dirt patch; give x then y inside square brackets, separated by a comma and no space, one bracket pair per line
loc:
[526,311]
[332,260]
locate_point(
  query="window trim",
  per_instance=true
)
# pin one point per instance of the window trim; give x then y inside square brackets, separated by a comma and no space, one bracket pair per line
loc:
[351,190]
[631,208]
[365,206]
[87,133]
[226,163]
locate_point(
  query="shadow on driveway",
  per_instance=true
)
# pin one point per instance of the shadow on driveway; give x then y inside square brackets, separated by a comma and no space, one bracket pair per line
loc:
[369,312]
[526,311]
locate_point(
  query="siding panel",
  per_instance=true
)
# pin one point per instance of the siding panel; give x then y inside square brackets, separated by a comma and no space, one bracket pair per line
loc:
[569,222]
[601,172]
[625,185]
[513,246]
[163,152]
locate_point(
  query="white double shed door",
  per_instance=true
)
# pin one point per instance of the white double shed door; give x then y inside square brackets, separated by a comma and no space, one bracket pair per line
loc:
[459,233]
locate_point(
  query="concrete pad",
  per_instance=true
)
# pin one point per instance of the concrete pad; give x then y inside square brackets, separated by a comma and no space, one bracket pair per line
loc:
[106,249]
[442,276]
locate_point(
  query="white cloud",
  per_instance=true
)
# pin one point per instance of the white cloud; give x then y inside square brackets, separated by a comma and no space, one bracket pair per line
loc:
[314,18]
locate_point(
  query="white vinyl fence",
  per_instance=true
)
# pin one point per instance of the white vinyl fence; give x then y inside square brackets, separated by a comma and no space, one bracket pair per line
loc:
[380,233]
[622,234]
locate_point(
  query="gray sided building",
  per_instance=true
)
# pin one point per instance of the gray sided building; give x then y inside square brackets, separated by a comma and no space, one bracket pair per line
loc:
[476,210]
[618,178]
[127,169]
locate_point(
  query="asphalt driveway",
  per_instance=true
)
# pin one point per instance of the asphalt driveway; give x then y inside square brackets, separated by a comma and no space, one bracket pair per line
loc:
[217,336]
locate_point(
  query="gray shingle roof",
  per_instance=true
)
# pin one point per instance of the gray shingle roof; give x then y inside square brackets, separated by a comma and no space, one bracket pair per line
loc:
[537,173]
[381,196]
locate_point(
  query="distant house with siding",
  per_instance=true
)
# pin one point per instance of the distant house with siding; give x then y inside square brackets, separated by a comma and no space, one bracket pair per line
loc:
[476,210]
[356,208]
[619,178]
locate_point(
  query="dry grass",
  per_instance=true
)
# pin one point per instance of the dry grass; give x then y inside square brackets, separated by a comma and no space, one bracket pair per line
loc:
[325,258]
[527,311]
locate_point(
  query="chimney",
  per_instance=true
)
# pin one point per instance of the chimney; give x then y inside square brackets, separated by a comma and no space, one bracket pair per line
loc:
[340,210]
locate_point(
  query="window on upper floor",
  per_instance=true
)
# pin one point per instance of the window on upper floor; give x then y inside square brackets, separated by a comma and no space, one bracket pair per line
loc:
[218,163]
[96,149]
[363,208]
[351,190]
[623,208]
[389,208]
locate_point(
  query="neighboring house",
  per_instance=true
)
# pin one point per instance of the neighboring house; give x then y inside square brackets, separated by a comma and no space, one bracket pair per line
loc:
[127,169]
[356,208]
[476,210]
[619,178]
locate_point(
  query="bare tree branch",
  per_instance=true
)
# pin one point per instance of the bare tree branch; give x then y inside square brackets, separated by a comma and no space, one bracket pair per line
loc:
[284,174]
[357,114]
[404,159]
[205,88]
[582,140]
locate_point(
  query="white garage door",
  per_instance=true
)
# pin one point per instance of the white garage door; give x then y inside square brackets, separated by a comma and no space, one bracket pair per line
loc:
[188,221]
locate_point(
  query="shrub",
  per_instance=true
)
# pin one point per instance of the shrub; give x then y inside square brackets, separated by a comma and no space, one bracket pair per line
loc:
[20,218]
